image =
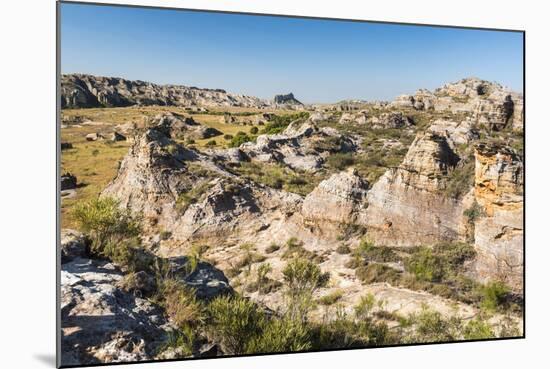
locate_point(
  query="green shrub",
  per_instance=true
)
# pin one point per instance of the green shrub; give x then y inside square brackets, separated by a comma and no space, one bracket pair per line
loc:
[494,296]
[281,335]
[477,329]
[234,321]
[106,224]
[228,137]
[425,265]
[211,143]
[190,141]
[278,124]
[340,161]
[331,298]
[254,130]
[370,252]
[460,179]
[431,326]
[239,139]
[180,339]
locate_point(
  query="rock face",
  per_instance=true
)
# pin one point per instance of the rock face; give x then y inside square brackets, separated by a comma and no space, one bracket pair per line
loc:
[405,205]
[102,323]
[85,91]
[287,99]
[499,232]
[339,199]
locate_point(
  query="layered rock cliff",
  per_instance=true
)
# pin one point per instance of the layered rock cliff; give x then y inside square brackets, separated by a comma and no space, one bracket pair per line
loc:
[86,91]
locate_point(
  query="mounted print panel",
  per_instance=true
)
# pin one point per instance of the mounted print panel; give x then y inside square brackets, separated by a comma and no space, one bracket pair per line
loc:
[242,184]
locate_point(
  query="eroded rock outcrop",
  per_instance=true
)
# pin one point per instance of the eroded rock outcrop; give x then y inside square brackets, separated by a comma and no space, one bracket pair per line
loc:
[339,199]
[84,91]
[301,146]
[499,231]
[102,323]
[406,206]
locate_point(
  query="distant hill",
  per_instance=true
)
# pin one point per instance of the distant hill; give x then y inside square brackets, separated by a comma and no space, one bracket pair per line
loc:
[88,91]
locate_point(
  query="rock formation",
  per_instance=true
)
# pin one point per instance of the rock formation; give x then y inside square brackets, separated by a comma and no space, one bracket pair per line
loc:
[85,91]
[499,231]
[405,205]
[287,99]
[339,199]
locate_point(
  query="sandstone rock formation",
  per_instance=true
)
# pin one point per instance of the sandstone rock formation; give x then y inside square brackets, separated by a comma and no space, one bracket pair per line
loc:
[405,205]
[339,199]
[499,232]
[84,91]
[301,146]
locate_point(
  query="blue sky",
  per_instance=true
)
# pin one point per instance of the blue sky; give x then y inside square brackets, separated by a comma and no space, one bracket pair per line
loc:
[318,60]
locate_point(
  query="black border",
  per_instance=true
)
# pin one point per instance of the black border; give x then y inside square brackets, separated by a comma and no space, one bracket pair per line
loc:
[58,177]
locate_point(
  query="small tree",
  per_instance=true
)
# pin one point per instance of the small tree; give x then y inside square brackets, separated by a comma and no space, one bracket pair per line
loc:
[302,278]
[262,271]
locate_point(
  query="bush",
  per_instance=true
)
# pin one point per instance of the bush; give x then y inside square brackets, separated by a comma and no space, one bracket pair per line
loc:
[180,303]
[373,273]
[182,340]
[460,179]
[493,296]
[302,279]
[425,265]
[431,326]
[211,143]
[234,321]
[278,124]
[340,161]
[239,139]
[331,298]
[367,250]
[477,329]
[228,137]
[254,130]
[106,224]
[281,335]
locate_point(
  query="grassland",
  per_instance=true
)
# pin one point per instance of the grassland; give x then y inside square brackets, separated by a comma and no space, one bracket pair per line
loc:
[95,163]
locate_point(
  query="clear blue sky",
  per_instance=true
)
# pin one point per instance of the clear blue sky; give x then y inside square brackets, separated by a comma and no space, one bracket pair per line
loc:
[318,60]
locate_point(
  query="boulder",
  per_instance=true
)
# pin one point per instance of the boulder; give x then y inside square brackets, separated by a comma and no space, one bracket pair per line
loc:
[94,136]
[73,245]
[68,181]
[391,120]
[115,136]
